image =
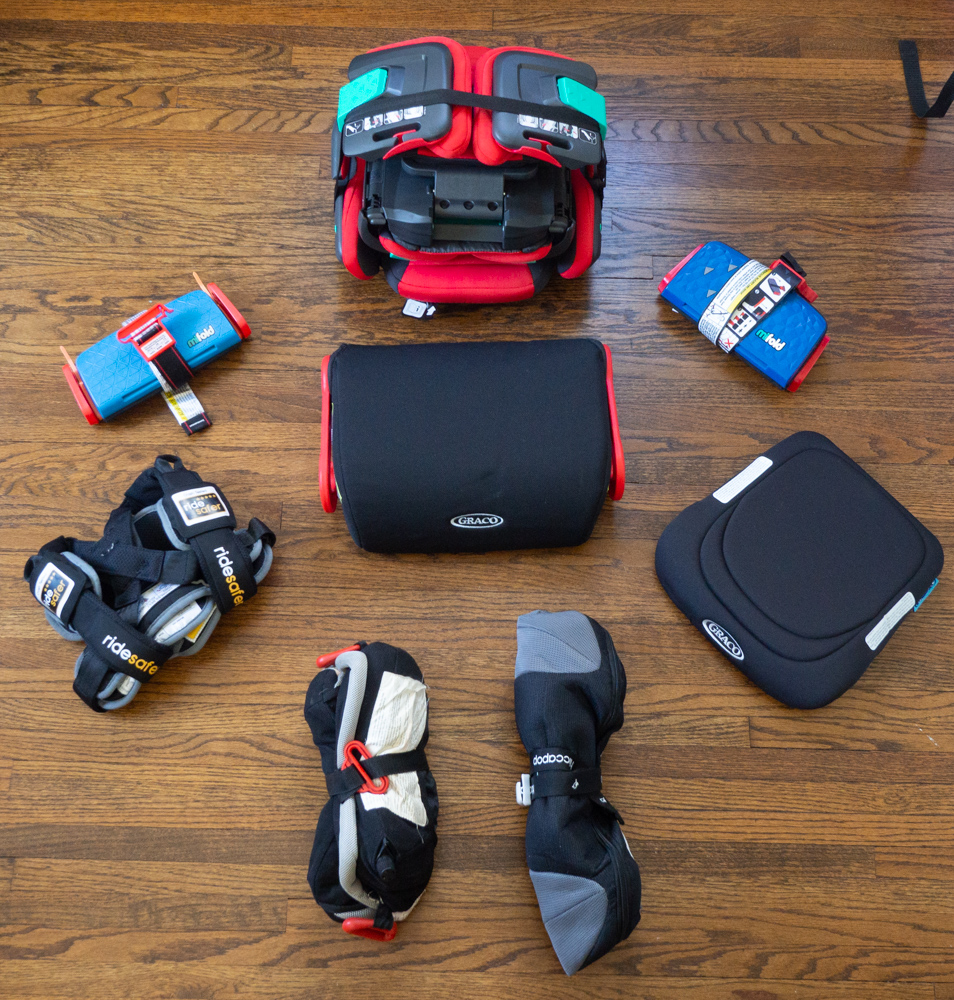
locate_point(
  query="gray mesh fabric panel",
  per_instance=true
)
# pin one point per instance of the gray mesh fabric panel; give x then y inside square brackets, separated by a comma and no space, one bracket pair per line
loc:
[573,910]
[556,642]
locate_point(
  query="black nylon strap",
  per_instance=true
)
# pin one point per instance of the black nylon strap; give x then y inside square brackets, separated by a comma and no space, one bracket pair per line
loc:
[915,84]
[173,366]
[225,567]
[584,781]
[202,516]
[62,583]
[345,782]
[462,98]
[89,679]
[151,565]
[115,641]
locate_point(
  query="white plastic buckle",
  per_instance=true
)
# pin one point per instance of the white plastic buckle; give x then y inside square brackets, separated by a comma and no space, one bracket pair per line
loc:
[419,310]
[524,790]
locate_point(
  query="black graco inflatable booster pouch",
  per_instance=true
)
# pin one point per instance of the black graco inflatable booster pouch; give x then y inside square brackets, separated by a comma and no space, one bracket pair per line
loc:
[374,844]
[799,569]
[470,447]
[568,696]
[169,565]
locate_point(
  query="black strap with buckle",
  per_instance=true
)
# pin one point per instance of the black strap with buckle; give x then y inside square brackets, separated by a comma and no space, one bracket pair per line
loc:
[344,783]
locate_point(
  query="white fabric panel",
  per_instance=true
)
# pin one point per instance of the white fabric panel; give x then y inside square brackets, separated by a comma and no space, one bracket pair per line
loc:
[397,725]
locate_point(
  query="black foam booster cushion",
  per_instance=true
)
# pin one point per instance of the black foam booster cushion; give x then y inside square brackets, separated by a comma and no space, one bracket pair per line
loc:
[471,447]
[799,569]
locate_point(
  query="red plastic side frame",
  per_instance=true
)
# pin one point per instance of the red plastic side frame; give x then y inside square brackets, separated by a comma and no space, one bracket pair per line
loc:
[327,487]
[673,271]
[364,927]
[326,659]
[79,394]
[231,313]
[618,469]
[799,376]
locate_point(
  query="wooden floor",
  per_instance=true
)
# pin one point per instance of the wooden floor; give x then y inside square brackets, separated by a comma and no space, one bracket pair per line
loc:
[160,852]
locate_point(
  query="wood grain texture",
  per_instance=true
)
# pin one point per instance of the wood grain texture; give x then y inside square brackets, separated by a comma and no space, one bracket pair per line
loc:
[161,852]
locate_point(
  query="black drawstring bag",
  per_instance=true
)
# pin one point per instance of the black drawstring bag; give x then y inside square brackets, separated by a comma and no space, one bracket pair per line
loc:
[374,845]
[568,697]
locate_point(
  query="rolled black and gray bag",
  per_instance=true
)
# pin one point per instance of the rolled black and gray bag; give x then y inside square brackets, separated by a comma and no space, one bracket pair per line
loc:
[568,696]
[169,565]
[374,844]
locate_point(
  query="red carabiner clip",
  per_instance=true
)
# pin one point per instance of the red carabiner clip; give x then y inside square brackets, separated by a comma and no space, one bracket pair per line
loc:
[350,760]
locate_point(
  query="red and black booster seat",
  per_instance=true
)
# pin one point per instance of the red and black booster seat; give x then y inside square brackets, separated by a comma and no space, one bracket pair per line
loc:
[470,174]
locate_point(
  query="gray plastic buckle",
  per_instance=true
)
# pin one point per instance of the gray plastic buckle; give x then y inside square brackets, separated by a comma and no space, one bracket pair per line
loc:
[419,310]
[524,790]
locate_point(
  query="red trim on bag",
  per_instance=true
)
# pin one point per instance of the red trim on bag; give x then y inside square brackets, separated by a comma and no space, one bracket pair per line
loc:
[364,927]
[585,221]
[799,376]
[617,484]
[231,313]
[327,487]
[478,282]
[326,659]
[79,394]
[670,274]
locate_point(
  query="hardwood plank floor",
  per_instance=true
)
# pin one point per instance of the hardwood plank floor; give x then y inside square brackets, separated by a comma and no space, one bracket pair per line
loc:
[161,852]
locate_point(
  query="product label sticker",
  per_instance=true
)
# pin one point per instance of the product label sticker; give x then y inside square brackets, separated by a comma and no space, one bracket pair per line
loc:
[749,307]
[53,588]
[200,504]
[416,112]
[156,345]
[775,286]
[728,298]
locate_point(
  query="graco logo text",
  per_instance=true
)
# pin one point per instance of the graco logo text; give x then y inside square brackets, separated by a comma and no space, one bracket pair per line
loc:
[477,521]
[718,634]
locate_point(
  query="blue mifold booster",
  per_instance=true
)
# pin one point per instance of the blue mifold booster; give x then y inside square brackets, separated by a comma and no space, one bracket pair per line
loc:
[762,313]
[157,350]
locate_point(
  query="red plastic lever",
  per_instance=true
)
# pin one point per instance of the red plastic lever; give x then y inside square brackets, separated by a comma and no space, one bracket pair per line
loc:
[326,659]
[153,316]
[350,760]
[364,927]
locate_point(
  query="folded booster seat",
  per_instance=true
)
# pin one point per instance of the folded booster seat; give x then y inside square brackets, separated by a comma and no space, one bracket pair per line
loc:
[470,174]
[569,689]
[799,569]
[470,447]
[374,843]
[762,314]
[170,563]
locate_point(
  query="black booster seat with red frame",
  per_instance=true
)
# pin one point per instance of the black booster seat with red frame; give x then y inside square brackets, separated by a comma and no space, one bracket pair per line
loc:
[469,174]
